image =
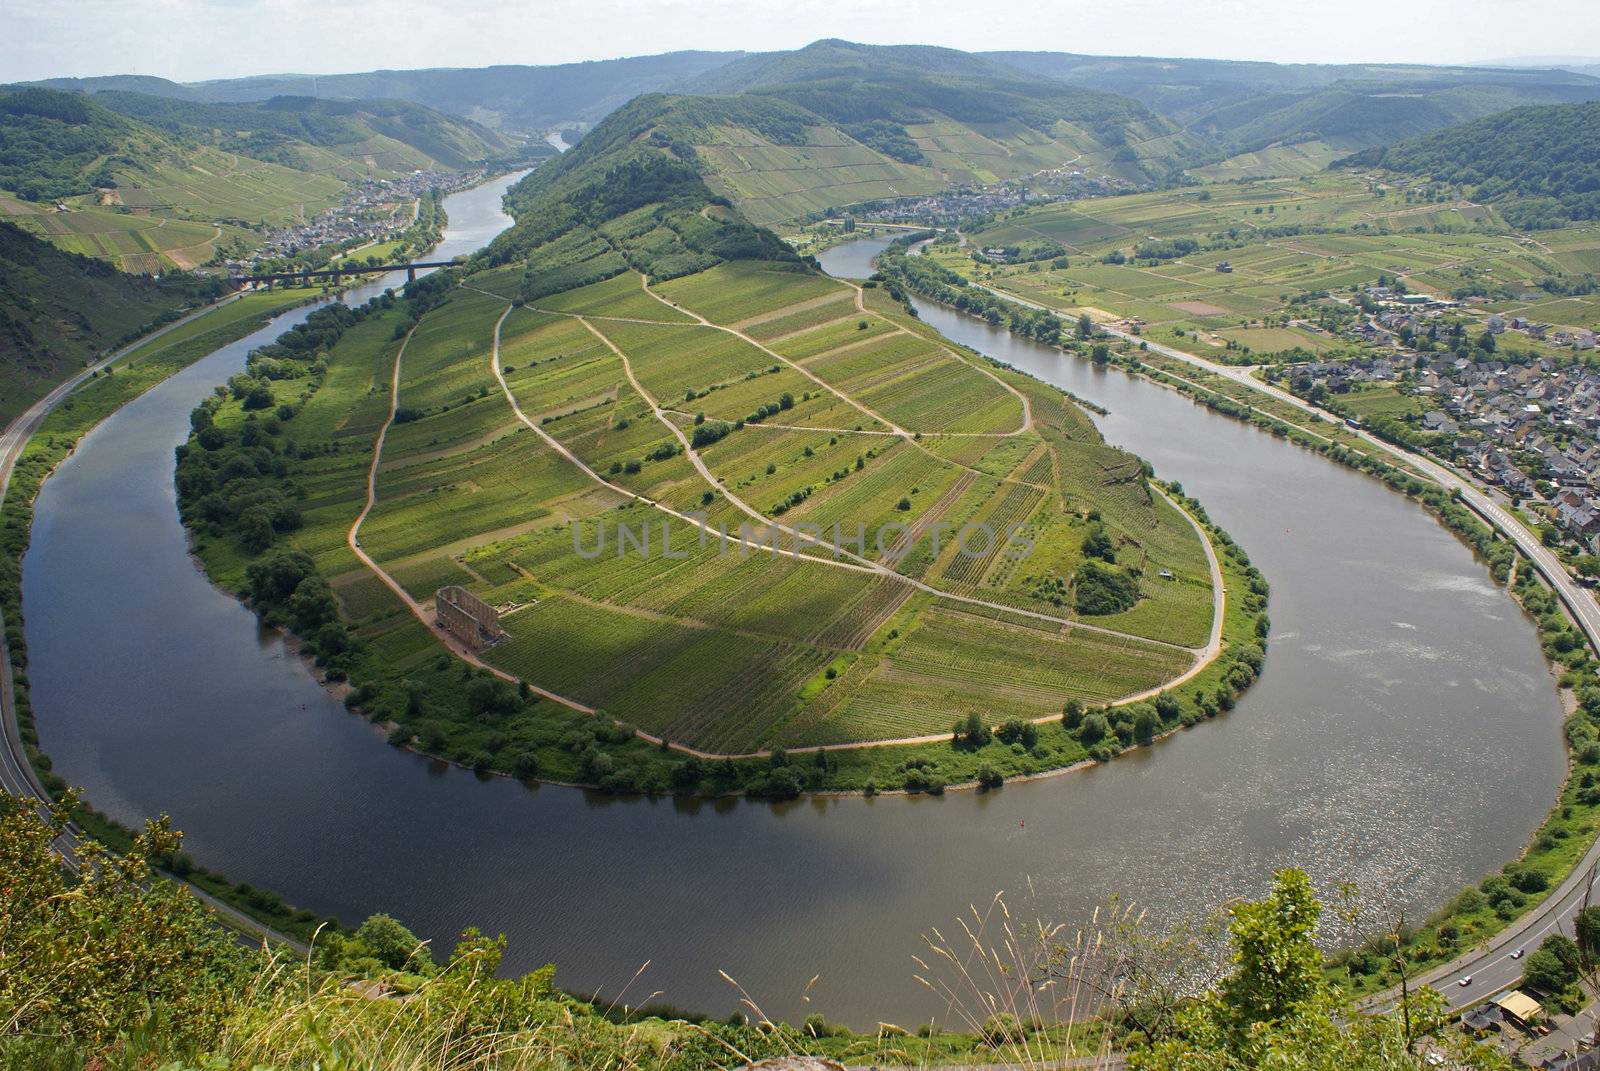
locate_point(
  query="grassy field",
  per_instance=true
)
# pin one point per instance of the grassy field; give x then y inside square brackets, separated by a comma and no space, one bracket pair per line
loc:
[1285,239]
[614,600]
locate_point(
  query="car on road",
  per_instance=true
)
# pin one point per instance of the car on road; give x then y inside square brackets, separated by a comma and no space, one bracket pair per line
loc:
[1518,953]
[1464,981]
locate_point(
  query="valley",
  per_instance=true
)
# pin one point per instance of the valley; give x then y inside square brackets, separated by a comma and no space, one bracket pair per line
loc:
[786,501]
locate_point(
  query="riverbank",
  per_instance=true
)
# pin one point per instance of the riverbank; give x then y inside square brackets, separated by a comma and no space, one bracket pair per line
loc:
[1551,859]
[429,710]
[58,423]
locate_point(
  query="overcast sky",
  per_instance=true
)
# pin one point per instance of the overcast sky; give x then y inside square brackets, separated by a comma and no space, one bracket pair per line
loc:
[190,40]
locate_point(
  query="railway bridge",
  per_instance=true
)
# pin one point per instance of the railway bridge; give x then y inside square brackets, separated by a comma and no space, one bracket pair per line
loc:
[304,276]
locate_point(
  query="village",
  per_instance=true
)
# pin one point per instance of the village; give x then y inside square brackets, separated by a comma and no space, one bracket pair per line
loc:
[372,210]
[1525,420]
[968,206]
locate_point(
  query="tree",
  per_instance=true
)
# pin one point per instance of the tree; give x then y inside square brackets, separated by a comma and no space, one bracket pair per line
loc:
[1275,1009]
[256,531]
[391,943]
[1097,544]
[1553,966]
[1277,967]
[1085,326]
[88,956]
[972,732]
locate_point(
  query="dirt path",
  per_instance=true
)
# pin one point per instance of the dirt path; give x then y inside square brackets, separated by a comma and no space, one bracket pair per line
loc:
[353,541]
[1201,657]
[803,539]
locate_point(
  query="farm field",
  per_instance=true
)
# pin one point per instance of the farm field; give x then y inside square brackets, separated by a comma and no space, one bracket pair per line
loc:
[1283,241]
[142,242]
[723,511]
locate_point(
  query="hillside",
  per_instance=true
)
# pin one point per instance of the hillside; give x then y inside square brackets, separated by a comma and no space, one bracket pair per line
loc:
[949,116]
[377,136]
[788,135]
[60,144]
[1539,166]
[511,97]
[630,195]
[1281,119]
[149,183]
[58,309]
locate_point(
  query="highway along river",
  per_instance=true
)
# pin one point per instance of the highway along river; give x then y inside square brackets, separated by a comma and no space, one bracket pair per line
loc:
[1405,735]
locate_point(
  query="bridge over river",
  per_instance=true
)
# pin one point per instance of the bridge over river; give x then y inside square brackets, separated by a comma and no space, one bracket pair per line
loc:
[337,274]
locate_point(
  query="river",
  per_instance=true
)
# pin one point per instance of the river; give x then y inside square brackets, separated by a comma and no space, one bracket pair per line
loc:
[1405,734]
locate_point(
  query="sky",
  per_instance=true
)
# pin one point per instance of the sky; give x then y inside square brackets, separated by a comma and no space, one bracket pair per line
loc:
[191,40]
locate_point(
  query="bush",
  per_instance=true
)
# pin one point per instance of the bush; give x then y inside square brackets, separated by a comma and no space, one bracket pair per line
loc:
[1102,590]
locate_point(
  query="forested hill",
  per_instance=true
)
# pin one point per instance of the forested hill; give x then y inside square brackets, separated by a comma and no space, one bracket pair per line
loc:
[1540,166]
[57,144]
[629,195]
[58,309]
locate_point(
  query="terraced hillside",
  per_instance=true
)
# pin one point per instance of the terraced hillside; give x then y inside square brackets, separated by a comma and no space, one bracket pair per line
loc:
[743,423]
[147,183]
[784,135]
[1287,245]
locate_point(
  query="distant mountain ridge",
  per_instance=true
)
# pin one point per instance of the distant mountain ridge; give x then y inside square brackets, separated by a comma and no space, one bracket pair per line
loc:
[1242,107]
[507,97]
[1224,108]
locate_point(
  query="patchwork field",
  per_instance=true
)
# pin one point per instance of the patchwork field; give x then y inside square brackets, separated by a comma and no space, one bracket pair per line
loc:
[1284,242]
[180,212]
[746,508]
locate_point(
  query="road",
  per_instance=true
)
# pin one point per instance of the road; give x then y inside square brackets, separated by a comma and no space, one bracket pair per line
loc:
[1491,966]
[16,773]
